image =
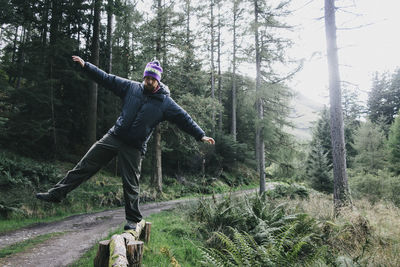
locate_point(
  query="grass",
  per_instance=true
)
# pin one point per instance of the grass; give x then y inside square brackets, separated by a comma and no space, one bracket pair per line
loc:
[27,244]
[173,242]
[369,233]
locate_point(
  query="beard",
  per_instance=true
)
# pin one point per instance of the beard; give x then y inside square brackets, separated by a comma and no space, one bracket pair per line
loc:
[148,88]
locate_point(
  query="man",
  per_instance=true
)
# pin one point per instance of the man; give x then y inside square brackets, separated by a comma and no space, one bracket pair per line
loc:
[144,105]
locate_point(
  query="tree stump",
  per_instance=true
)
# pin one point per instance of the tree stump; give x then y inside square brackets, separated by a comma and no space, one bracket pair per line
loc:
[103,253]
[147,230]
[134,253]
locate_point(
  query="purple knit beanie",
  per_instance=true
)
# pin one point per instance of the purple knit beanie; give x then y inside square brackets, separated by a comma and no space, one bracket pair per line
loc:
[153,69]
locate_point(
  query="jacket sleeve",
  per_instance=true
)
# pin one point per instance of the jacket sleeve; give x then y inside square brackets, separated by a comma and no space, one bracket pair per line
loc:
[114,83]
[177,115]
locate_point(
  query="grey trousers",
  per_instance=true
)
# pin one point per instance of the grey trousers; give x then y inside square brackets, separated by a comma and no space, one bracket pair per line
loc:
[130,160]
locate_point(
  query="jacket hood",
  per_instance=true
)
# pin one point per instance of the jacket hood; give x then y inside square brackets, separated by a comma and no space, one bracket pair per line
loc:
[163,89]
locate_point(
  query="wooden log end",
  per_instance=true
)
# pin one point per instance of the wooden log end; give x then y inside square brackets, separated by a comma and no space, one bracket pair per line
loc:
[102,256]
[134,252]
[147,230]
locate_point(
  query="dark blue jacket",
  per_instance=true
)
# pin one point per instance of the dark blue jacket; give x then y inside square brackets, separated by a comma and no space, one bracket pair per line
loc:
[142,112]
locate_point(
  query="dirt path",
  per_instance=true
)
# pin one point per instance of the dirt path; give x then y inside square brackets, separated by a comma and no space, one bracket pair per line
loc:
[81,233]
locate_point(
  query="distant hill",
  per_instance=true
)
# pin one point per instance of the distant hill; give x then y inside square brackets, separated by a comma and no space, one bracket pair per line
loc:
[304,114]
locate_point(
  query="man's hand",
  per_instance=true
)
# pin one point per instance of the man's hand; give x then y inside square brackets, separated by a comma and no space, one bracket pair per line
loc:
[209,140]
[79,60]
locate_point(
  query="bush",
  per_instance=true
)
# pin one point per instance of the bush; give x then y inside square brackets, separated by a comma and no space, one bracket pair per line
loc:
[380,186]
[288,190]
[21,178]
[16,170]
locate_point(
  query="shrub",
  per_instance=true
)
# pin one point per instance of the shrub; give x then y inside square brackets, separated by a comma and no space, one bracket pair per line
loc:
[380,186]
[15,170]
[287,190]
[266,227]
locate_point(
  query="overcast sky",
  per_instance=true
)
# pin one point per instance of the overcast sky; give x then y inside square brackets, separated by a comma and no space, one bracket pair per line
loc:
[372,45]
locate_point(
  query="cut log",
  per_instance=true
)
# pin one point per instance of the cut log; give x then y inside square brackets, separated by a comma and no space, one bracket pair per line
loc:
[103,253]
[147,230]
[124,249]
[134,252]
[118,252]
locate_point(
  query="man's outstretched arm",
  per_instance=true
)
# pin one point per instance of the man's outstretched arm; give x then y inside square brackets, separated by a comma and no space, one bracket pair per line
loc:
[114,83]
[176,114]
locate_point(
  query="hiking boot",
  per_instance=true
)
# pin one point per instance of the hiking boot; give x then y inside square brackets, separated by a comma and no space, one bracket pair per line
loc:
[130,226]
[48,197]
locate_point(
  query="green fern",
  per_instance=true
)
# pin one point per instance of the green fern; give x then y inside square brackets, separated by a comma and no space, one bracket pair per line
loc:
[255,231]
[241,250]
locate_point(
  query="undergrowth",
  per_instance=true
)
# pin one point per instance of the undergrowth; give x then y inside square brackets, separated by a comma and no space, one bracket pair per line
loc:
[256,230]
[290,231]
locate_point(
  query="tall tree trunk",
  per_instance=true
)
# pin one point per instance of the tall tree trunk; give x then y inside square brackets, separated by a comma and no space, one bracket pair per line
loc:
[56,15]
[157,163]
[21,57]
[11,79]
[219,69]
[341,190]
[187,25]
[259,104]
[188,62]
[109,34]
[164,39]
[45,18]
[127,47]
[92,105]
[110,14]
[212,62]
[233,123]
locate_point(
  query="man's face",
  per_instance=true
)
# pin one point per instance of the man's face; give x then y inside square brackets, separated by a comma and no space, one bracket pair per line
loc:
[150,84]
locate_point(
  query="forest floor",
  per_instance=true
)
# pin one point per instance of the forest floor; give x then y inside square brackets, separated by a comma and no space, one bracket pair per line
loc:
[79,233]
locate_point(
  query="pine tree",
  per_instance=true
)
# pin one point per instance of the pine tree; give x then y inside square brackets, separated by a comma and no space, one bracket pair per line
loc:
[352,111]
[341,188]
[237,12]
[384,97]
[95,51]
[319,160]
[394,145]
[319,171]
[369,142]
[271,94]
[260,146]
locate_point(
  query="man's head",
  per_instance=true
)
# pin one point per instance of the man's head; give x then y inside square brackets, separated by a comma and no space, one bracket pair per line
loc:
[152,75]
